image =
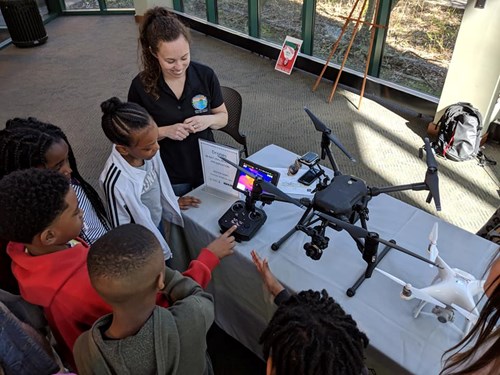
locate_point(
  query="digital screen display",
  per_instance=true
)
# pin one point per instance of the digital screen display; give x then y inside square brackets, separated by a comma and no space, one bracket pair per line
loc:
[244,183]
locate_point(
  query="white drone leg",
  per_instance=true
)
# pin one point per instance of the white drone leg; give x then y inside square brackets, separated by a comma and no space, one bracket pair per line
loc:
[468,327]
[418,309]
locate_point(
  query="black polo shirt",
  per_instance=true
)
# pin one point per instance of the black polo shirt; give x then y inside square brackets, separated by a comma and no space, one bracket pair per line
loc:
[201,93]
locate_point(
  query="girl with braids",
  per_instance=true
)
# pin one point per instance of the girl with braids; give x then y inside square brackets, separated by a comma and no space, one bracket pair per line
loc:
[183,97]
[134,181]
[309,333]
[479,351]
[26,143]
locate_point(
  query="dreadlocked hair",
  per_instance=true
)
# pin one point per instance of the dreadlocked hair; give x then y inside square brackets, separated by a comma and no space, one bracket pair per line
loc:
[159,25]
[121,119]
[310,334]
[484,332]
[24,143]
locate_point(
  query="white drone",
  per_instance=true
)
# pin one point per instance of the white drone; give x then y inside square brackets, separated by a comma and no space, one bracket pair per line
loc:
[451,290]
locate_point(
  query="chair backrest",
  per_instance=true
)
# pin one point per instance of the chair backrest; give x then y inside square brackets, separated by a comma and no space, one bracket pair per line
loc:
[233,102]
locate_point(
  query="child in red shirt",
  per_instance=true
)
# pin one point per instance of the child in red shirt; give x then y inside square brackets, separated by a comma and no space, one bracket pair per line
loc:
[40,215]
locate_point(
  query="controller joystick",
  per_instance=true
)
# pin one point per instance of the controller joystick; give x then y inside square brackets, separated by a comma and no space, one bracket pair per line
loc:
[238,206]
[254,215]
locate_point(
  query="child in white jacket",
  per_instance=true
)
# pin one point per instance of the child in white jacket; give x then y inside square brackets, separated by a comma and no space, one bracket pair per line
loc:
[134,180]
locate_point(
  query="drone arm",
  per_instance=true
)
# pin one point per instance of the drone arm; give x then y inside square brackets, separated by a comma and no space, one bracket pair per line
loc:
[403,250]
[374,191]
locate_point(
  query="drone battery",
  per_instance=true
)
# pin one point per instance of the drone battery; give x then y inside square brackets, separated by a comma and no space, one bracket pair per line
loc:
[342,195]
[248,222]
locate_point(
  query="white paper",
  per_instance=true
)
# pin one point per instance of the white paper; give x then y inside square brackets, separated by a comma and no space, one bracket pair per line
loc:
[291,185]
[218,174]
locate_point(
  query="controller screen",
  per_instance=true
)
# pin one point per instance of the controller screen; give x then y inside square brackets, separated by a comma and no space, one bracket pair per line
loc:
[245,183]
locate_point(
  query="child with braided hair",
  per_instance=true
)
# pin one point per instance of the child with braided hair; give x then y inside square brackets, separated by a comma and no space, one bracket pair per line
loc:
[134,180]
[27,143]
[309,333]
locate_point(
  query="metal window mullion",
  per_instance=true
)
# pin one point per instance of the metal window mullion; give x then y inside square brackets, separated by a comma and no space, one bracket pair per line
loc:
[308,20]
[178,5]
[212,11]
[102,5]
[254,18]
[384,12]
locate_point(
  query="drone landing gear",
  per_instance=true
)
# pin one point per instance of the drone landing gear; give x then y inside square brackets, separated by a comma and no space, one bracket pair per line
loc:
[304,219]
[352,290]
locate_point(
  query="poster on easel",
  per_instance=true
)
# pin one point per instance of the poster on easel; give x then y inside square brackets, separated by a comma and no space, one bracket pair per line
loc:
[288,55]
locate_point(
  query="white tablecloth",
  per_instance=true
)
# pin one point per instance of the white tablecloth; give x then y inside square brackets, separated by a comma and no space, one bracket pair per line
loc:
[243,307]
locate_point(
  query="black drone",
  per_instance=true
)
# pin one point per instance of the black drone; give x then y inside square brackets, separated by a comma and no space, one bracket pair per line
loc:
[341,202]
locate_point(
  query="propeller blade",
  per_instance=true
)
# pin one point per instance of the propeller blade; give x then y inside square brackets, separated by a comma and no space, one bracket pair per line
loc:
[416,293]
[266,186]
[316,121]
[433,253]
[433,236]
[320,126]
[467,314]
[392,277]
[241,169]
[420,294]
[270,188]
[341,146]
[431,176]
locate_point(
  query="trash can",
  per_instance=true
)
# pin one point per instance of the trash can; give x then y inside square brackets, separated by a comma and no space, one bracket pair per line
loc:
[24,22]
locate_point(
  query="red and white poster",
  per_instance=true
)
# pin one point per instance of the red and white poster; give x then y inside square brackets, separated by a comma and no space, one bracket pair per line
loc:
[288,54]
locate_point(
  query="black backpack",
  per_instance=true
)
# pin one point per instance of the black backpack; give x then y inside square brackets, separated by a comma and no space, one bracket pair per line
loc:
[459,133]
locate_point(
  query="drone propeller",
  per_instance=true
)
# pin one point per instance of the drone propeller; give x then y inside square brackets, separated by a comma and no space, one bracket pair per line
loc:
[431,176]
[321,127]
[415,292]
[267,186]
[433,237]
[470,316]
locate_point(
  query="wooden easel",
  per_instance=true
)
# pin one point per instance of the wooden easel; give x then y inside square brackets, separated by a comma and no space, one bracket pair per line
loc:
[348,19]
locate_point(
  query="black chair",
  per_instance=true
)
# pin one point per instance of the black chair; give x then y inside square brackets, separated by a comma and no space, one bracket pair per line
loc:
[233,101]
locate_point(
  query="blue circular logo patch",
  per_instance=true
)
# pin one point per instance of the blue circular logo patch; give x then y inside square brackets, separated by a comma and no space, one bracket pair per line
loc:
[199,102]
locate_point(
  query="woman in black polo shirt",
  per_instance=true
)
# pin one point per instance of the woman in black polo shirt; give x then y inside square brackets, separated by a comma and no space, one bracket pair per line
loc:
[183,97]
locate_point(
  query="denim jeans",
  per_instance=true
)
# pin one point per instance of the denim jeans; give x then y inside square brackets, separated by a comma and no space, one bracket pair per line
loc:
[182,189]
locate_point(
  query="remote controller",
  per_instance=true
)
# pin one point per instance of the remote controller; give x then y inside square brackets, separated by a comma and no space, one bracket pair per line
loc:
[248,222]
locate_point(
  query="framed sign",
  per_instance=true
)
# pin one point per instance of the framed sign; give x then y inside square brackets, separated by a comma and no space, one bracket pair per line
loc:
[288,55]
[218,174]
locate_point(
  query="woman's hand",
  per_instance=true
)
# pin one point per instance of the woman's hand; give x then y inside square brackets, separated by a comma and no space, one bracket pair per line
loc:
[177,132]
[199,123]
[188,201]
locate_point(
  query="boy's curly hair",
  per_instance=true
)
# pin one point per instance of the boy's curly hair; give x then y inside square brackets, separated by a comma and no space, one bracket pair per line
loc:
[311,334]
[31,199]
